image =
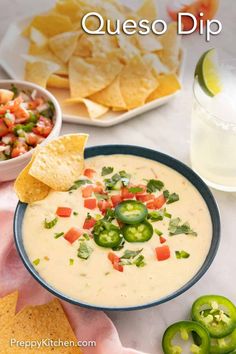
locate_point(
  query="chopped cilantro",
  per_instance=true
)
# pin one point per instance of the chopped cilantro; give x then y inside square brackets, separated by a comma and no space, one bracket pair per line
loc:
[84,251]
[175,228]
[182,254]
[154,185]
[79,183]
[50,224]
[130,254]
[135,190]
[107,171]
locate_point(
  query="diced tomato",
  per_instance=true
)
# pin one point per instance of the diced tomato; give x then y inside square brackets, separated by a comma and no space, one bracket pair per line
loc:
[19,150]
[103,205]
[43,127]
[162,253]
[89,223]
[159,201]
[125,194]
[73,234]
[116,199]
[162,239]
[115,260]
[90,203]
[87,191]
[144,188]
[35,103]
[33,139]
[6,96]
[89,172]
[145,197]
[118,266]
[64,212]
[21,114]
[151,205]
[98,189]
[3,128]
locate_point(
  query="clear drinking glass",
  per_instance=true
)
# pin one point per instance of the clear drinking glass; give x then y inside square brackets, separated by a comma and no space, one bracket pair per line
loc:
[213,132]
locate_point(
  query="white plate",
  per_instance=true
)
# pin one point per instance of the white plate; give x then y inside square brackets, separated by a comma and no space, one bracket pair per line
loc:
[14,45]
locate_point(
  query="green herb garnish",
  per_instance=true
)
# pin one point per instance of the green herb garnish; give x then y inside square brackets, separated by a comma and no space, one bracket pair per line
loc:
[58,235]
[117,180]
[135,190]
[139,262]
[36,261]
[50,224]
[79,183]
[49,112]
[154,185]
[119,247]
[171,198]
[84,250]
[175,228]
[166,214]
[182,254]
[86,236]
[71,261]
[75,213]
[107,171]
[155,216]
[27,128]
[158,232]
[110,215]
[15,90]
[33,118]
[131,254]
[101,196]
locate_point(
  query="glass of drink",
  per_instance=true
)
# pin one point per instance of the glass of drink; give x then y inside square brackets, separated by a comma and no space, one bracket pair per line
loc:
[213,132]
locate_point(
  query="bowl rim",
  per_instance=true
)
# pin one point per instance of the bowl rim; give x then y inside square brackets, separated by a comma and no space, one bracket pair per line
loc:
[57,117]
[150,154]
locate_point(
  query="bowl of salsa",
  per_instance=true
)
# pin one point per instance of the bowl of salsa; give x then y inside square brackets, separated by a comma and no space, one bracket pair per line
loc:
[29,116]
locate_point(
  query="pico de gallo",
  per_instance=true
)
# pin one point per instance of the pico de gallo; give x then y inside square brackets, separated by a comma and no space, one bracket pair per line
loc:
[26,119]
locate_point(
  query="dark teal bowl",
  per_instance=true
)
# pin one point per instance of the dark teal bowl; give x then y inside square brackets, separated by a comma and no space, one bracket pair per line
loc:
[152,155]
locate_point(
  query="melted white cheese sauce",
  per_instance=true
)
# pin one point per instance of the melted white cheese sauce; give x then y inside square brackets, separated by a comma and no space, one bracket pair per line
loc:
[94,281]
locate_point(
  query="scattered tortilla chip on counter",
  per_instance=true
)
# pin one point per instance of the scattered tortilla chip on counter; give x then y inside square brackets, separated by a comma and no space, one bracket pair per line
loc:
[137,82]
[29,189]
[38,323]
[7,309]
[168,84]
[59,163]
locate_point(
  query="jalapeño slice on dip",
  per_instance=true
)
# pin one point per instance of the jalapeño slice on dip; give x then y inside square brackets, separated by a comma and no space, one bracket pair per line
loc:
[123,222]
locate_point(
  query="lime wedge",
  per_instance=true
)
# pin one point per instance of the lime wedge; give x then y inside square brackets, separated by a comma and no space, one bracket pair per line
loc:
[207,73]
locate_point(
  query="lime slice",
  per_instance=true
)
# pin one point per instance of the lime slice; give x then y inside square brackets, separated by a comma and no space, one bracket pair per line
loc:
[207,73]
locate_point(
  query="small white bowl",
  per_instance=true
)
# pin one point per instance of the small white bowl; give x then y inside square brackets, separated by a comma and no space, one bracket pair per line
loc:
[10,169]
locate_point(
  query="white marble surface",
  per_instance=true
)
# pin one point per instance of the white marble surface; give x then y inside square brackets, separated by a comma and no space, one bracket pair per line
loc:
[166,129]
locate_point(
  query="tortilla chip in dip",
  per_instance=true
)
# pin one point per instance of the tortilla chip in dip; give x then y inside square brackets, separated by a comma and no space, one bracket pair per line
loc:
[60,162]
[38,323]
[29,189]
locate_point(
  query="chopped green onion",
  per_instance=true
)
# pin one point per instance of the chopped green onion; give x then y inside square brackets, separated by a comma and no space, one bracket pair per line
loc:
[139,262]
[135,190]
[58,235]
[36,261]
[71,261]
[158,232]
[75,213]
[50,224]
[182,254]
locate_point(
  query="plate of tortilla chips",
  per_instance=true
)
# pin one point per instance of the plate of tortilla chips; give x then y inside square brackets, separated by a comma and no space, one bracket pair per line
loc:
[98,80]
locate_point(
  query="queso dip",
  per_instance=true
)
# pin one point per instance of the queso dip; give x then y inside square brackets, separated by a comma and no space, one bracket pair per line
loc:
[128,232]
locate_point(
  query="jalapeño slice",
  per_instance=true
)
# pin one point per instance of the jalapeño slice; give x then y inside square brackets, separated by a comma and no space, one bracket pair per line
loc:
[216,313]
[225,345]
[107,234]
[140,232]
[186,329]
[131,212]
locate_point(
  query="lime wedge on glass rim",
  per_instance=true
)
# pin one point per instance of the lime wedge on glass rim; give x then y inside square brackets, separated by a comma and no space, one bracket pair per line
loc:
[207,73]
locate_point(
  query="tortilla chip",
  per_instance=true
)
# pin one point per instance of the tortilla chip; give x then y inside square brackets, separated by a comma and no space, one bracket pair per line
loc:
[168,84]
[88,76]
[38,37]
[8,308]
[48,56]
[52,24]
[28,189]
[110,96]
[101,45]
[59,163]
[136,82]
[39,72]
[128,46]
[69,8]
[154,62]
[84,47]
[63,45]
[38,323]
[58,82]
[94,109]
[148,10]
[171,47]
[149,43]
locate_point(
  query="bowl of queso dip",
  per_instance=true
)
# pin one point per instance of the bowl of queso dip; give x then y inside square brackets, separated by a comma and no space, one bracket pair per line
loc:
[137,229]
